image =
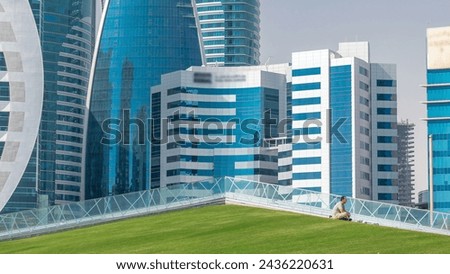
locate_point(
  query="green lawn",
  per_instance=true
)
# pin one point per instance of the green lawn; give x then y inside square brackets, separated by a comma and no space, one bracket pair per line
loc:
[231,229]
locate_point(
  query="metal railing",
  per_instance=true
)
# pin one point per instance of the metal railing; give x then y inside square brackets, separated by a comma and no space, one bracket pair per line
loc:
[221,190]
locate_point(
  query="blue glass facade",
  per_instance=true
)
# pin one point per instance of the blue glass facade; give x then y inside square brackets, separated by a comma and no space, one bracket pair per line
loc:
[67,35]
[230,31]
[438,92]
[341,164]
[251,107]
[140,40]
[53,174]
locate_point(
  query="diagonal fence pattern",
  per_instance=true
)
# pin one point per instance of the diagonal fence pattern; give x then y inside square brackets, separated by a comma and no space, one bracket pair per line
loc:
[217,191]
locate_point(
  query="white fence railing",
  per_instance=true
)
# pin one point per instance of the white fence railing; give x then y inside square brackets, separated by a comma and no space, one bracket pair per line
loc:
[89,212]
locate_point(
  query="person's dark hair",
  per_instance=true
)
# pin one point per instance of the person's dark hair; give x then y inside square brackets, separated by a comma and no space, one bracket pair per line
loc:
[342,198]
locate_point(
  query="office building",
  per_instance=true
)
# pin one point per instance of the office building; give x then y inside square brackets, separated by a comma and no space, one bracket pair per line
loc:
[219,122]
[138,42]
[66,36]
[337,123]
[230,31]
[406,163]
[21,96]
[438,116]
[384,145]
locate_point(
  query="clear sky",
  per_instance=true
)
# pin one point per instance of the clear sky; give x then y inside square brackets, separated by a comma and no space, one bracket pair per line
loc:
[395,29]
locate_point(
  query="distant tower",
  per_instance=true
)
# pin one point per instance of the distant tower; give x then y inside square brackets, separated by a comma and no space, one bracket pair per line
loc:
[230,31]
[405,163]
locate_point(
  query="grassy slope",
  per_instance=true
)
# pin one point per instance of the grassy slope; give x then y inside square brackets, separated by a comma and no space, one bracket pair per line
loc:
[231,229]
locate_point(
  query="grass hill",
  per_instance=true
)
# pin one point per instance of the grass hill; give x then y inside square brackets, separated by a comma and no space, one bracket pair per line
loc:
[230,229]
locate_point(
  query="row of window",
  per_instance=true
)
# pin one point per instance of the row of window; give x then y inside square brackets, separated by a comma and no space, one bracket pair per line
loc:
[4,91]
[4,121]
[307,176]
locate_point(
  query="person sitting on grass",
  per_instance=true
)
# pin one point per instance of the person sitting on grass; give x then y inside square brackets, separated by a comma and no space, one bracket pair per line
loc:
[339,212]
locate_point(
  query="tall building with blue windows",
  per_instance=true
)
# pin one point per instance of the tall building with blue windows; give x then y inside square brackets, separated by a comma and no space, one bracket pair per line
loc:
[438,115]
[333,125]
[21,96]
[138,42]
[67,32]
[220,122]
[230,31]
[385,158]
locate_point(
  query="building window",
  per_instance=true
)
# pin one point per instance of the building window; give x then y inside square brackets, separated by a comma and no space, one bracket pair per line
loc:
[364,131]
[365,176]
[2,62]
[364,145]
[364,116]
[387,196]
[307,176]
[305,72]
[2,147]
[363,71]
[387,139]
[386,125]
[363,86]
[386,83]
[387,153]
[308,86]
[364,101]
[387,182]
[307,161]
[386,111]
[4,91]
[306,101]
[387,168]
[386,97]
[4,120]
[364,161]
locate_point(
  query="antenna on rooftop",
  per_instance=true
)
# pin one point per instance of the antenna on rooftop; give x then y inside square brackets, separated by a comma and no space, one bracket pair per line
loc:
[267,62]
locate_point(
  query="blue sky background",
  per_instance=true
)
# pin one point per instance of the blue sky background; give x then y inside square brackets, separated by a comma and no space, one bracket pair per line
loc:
[396,30]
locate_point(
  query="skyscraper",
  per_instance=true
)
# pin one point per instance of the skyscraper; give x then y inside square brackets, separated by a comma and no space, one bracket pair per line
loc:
[438,115]
[384,145]
[333,126]
[66,32]
[21,95]
[138,42]
[230,31]
[405,163]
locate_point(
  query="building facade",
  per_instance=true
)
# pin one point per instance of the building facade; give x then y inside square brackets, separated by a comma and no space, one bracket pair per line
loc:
[219,122]
[385,161]
[230,31]
[333,123]
[406,163]
[21,96]
[138,42]
[438,116]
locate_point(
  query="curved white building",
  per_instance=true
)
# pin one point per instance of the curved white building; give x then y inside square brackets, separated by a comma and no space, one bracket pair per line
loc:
[21,92]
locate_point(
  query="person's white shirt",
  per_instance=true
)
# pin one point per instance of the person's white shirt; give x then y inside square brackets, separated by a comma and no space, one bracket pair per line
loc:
[338,208]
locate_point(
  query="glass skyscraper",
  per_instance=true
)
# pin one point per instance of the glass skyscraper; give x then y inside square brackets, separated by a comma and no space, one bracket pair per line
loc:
[139,41]
[231,31]
[21,96]
[438,116]
[67,33]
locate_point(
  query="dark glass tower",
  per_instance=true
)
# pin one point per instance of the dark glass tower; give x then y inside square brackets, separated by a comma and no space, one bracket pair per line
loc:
[139,41]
